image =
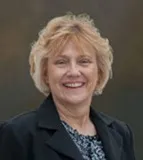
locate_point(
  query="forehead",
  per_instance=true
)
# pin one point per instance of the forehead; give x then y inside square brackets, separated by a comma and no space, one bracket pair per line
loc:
[79,49]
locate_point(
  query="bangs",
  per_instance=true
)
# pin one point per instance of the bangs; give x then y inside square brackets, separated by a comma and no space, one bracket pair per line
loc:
[56,46]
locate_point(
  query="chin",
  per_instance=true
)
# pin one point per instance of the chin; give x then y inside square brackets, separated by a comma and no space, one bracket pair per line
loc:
[75,99]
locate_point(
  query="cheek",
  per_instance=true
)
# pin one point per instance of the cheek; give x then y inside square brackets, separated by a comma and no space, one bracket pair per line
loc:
[93,77]
[93,72]
[55,75]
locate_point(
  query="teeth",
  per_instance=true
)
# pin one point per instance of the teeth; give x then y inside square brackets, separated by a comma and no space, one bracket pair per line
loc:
[73,84]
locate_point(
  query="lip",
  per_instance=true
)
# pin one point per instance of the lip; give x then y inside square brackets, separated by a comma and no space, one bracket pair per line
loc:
[71,87]
[73,82]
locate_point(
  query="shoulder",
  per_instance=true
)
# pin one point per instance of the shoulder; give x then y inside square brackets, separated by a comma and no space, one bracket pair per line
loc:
[19,126]
[16,135]
[120,126]
[122,129]
[109,119]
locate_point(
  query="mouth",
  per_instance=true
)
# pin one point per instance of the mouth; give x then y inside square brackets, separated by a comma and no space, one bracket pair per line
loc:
[74,85]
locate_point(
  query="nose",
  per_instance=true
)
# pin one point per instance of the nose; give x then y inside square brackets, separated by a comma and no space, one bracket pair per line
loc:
[73,70]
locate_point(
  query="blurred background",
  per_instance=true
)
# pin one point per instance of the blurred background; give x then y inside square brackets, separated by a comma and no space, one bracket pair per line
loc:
[120,21]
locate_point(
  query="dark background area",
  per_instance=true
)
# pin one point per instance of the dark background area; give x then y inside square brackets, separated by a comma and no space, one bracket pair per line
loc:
[119,20]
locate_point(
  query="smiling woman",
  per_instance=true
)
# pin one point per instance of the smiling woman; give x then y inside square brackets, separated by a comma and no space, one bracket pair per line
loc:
[69,63]
[79,30]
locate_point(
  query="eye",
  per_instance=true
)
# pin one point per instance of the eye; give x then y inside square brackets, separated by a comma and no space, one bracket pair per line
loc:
[85,61]
[60,62]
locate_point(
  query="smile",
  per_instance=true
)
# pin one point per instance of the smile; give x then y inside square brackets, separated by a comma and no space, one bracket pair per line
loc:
[73,85]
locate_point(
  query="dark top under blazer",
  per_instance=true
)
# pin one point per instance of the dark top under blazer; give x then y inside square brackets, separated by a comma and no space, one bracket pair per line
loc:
[40,135]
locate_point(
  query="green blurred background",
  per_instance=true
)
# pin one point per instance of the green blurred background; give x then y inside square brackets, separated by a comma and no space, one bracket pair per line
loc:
[119,20]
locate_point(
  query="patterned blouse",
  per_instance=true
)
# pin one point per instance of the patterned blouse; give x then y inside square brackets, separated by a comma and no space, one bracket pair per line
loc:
[90,147]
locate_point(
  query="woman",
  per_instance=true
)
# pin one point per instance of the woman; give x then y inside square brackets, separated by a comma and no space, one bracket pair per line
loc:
[69,63]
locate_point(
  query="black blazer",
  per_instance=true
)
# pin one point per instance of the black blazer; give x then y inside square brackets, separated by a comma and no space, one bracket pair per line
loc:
[40,135]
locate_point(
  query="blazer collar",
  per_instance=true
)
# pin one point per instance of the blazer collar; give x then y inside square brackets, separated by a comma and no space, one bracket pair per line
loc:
[48,118]
[111,139]
[59,140]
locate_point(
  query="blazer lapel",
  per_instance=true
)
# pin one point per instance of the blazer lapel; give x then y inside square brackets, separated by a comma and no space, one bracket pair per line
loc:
[56,136]
[62,143]
[111,140]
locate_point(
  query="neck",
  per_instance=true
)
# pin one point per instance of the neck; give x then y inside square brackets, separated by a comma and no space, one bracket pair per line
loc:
[73,116]
[76,115]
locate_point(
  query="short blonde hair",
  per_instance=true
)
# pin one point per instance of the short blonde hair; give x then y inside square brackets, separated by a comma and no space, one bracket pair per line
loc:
[58,32]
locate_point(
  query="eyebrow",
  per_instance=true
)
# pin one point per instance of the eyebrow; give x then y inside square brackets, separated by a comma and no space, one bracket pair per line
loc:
[80,56]
[61,56]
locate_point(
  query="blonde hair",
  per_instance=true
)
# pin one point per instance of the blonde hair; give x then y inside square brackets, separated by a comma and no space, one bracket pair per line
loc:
[58,32]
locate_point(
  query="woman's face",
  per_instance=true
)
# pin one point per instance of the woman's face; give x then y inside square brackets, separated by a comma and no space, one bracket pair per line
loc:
[72,76]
